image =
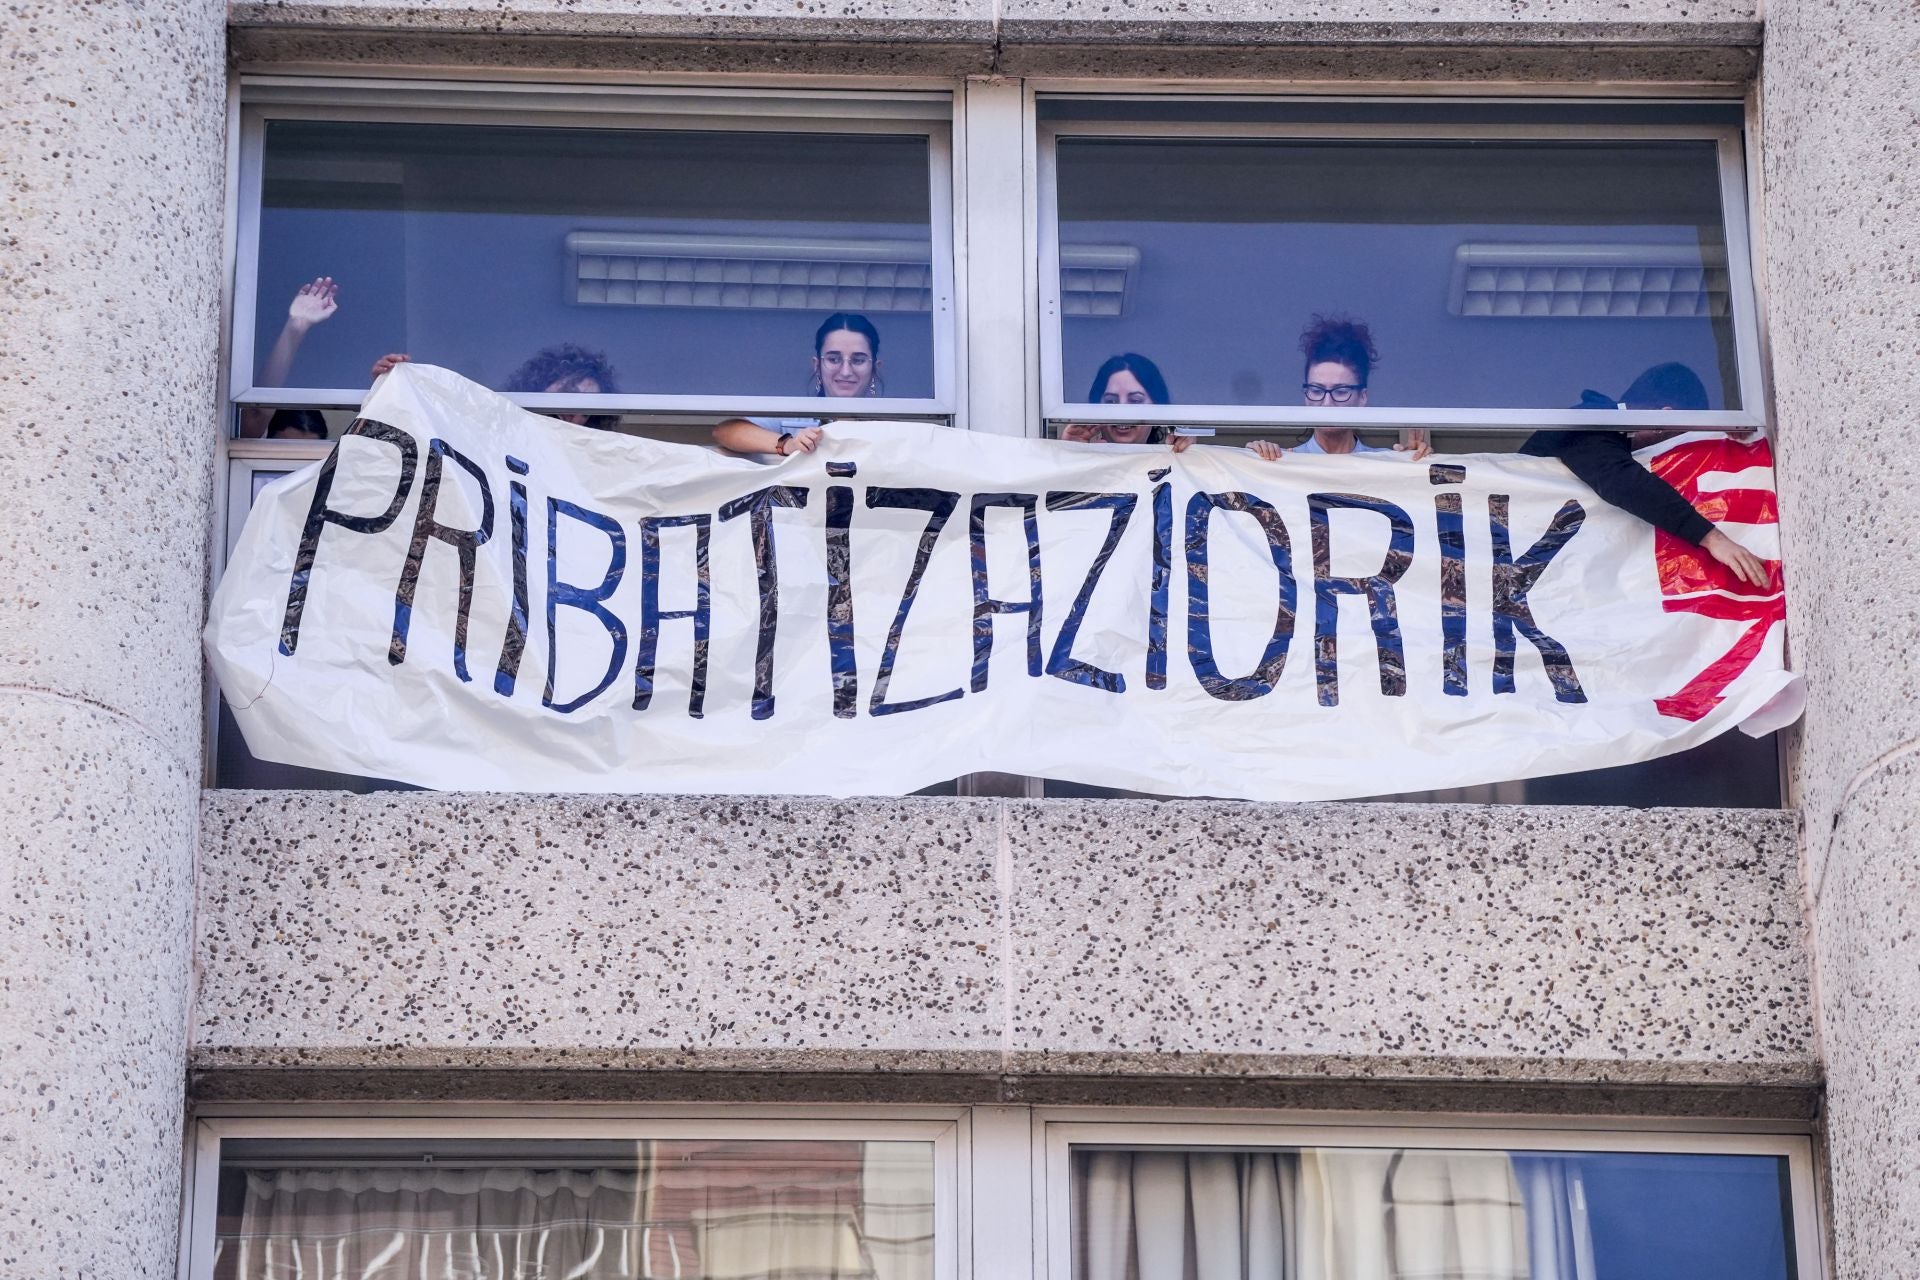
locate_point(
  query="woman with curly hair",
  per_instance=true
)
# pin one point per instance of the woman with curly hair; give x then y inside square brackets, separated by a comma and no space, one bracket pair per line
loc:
[556,370]
[1340,356]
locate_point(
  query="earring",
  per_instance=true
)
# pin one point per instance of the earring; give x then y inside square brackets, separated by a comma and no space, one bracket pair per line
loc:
[816,387]
[873,388]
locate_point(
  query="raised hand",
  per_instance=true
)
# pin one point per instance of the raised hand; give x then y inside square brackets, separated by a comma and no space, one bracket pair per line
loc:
[313,303]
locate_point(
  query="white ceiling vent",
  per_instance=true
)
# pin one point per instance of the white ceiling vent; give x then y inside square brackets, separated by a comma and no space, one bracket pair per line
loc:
[1587,280]
[753,273]
[783,273]
[1096,279]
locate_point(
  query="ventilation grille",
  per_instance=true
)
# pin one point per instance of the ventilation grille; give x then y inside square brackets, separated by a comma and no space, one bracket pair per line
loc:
[750,273]
[1097,279]
[1587,280]
[771,273]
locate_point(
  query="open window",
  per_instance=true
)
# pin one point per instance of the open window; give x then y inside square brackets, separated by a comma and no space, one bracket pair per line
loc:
[1506,258]
[605,253]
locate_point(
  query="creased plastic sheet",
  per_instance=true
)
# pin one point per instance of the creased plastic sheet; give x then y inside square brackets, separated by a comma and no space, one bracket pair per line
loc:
[470,596]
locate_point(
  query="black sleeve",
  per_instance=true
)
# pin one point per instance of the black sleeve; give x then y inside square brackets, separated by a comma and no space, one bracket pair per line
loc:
[1605,461]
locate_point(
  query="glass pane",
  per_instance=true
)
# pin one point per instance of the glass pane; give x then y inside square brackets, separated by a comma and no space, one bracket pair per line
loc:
[1489,274]
[1336,1213]
[679,262]
[699,1209]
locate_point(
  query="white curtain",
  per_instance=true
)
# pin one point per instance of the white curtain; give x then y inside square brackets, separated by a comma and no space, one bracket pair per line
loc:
[1328,1214]
[709,1210]
[428,1224]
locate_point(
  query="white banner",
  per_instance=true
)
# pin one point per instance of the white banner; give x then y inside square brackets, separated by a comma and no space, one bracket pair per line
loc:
[470,596]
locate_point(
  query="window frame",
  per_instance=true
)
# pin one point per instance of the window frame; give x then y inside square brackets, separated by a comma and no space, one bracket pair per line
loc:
[1743,304]
[928,114]
[942,1131]
[1061,1132]
[1002,1172]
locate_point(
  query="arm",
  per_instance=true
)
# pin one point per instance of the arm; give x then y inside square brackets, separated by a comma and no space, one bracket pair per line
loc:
[737,435]
[1604,459]
[314,303]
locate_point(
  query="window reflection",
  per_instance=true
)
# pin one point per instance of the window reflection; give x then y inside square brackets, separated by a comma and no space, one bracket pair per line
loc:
[1347,1213]
[693,262]
[1497,274]
[694,1209]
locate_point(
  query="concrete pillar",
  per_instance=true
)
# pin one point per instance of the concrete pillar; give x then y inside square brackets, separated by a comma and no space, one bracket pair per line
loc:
[111,175]
[1841,119]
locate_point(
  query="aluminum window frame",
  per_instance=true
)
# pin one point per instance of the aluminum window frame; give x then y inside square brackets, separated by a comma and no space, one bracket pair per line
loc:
[681,109]
[1060,1132]
[1743,304]
[942,1129]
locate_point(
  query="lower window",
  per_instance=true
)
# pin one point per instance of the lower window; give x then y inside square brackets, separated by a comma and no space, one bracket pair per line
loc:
[694,1208]
[1384,1213]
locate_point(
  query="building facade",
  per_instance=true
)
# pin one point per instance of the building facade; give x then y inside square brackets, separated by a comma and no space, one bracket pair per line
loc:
[1012,987]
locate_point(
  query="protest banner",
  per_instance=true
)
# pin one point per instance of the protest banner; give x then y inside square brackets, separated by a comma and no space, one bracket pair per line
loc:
[466,595]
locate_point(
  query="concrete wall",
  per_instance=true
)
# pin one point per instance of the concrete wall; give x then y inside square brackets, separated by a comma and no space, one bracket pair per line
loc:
[1453,41]
[109,303]
[1842,150]
[415,944]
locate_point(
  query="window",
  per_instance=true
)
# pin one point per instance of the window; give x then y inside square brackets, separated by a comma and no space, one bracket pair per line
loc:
[1143,1201]
[900,1193]
[670,253]
[690,1200]
[1505,258]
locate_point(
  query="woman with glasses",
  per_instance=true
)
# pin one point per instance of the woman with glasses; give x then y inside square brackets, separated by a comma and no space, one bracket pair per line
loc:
[846,364]
[1340,357]
[1125,379]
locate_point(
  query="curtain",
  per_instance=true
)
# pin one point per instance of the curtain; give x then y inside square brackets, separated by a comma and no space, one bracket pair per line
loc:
[389,1224]
[1328,1214]
[735,1210]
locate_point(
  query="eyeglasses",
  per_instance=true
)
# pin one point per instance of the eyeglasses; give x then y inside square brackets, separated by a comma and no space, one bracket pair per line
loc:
[1342,393]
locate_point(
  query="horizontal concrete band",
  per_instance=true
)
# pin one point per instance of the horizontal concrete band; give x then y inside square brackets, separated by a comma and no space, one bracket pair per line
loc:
[226,1086]
[1719,45]
[1049,942]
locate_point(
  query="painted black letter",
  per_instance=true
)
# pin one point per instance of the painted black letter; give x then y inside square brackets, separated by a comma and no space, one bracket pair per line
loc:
[320,515]
[939,505]
[1453,579]
[589,599]
[1377,588]
[1162,580]
[651,617]
[759,506]
[984,606]
[467,542]
[1273,661]
[1512,579]
[514,644]
[841,655]
[1061,661]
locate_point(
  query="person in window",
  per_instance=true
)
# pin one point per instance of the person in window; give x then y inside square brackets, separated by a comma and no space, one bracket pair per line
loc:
[846,364]
[1340,356]
[1604,461]
[1126,379]
[556,370]
[313,303]
[297,424]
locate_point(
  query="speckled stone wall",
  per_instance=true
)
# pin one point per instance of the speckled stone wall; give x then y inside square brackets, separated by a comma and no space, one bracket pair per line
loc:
[1025,948]
[111,174]
[1842,151]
